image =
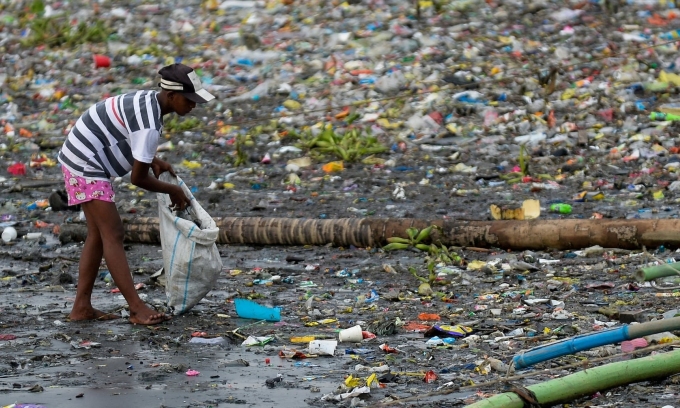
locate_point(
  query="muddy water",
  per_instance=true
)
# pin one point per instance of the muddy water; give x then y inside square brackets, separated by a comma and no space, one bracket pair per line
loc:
[146,366]
[131,366]
[128,368]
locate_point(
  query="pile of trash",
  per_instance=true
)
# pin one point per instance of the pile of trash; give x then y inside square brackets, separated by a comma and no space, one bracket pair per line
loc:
[575,104]
[442,109]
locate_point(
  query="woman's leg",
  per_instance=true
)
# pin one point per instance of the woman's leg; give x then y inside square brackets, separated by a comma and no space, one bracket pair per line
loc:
[88,268]
[107,223]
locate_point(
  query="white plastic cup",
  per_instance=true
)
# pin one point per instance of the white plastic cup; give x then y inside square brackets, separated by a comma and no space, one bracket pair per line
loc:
[9,234]
[323,347]
[351,335]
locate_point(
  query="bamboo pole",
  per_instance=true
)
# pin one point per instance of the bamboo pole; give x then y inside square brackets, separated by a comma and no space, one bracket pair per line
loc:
[656,272]
[590,381]
[366,232]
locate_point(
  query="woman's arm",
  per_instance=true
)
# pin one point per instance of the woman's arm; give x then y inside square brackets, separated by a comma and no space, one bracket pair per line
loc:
[140,177]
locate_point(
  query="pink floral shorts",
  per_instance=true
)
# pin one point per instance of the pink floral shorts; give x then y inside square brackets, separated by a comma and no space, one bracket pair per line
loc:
[81,190]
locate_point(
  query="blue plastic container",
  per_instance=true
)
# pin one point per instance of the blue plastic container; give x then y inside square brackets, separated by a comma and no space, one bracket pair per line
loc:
[248,309]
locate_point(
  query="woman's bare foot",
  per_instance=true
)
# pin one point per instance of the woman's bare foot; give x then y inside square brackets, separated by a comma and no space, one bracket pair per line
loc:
[146,315]
[91,314]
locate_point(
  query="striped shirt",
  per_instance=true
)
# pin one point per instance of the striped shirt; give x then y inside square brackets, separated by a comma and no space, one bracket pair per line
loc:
[113,133]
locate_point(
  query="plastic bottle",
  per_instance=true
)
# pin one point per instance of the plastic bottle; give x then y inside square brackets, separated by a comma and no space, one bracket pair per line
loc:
[561,208]
[663,116]
[532,138]
[671,35]
[32,236]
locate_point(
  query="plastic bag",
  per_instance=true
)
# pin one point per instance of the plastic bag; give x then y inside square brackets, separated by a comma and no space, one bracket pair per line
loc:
[191,260]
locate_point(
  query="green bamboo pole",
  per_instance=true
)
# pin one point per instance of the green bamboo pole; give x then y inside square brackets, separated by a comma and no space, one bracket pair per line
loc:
[590,381]
[635,331]
[656,272]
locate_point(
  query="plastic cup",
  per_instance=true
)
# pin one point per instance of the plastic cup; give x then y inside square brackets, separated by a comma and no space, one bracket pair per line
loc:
[323,347]
[351,335]
[9,234]
[101,61]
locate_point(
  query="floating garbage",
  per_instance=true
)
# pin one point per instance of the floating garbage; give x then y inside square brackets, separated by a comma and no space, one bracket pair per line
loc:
[323,347]
[248,309]
[9,234]
[352,335]
[336,126]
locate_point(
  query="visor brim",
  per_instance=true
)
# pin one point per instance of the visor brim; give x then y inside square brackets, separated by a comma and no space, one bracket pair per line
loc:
[200,96]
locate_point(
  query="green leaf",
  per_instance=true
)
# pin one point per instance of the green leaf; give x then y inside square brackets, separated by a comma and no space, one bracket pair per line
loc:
[424,233]
[38,7]
[395,246]
[412,232]
[351,118]
[423,247]
[522,159]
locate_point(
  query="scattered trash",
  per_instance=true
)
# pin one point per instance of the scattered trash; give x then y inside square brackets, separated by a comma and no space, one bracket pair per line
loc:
[530,209]
[256,341]
[232,363]
[86,344]
[430,377]
[436,341]
[17,169]
[271,382]
[323,347]
[9,234]
[448,331]
[201,340]
[351,335]
[335,115]
[354,393]
[248,309]
[630,346]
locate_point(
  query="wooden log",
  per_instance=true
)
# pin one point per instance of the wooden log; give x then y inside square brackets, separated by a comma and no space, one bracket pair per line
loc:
[137,230]
[564,233]
[535,234]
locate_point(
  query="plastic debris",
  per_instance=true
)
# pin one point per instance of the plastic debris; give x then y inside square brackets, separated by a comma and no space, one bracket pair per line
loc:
[456,110]
[201,340]
[250,310]
[256,341]
[86,344]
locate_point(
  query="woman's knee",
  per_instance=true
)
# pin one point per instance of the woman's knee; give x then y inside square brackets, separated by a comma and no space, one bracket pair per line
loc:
[113,234]
[94,236]
[105,221]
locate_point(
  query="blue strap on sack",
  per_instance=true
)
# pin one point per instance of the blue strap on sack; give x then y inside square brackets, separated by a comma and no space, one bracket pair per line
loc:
[186,283]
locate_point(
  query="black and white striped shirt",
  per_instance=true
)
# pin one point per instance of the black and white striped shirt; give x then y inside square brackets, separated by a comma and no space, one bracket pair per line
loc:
[113,133]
